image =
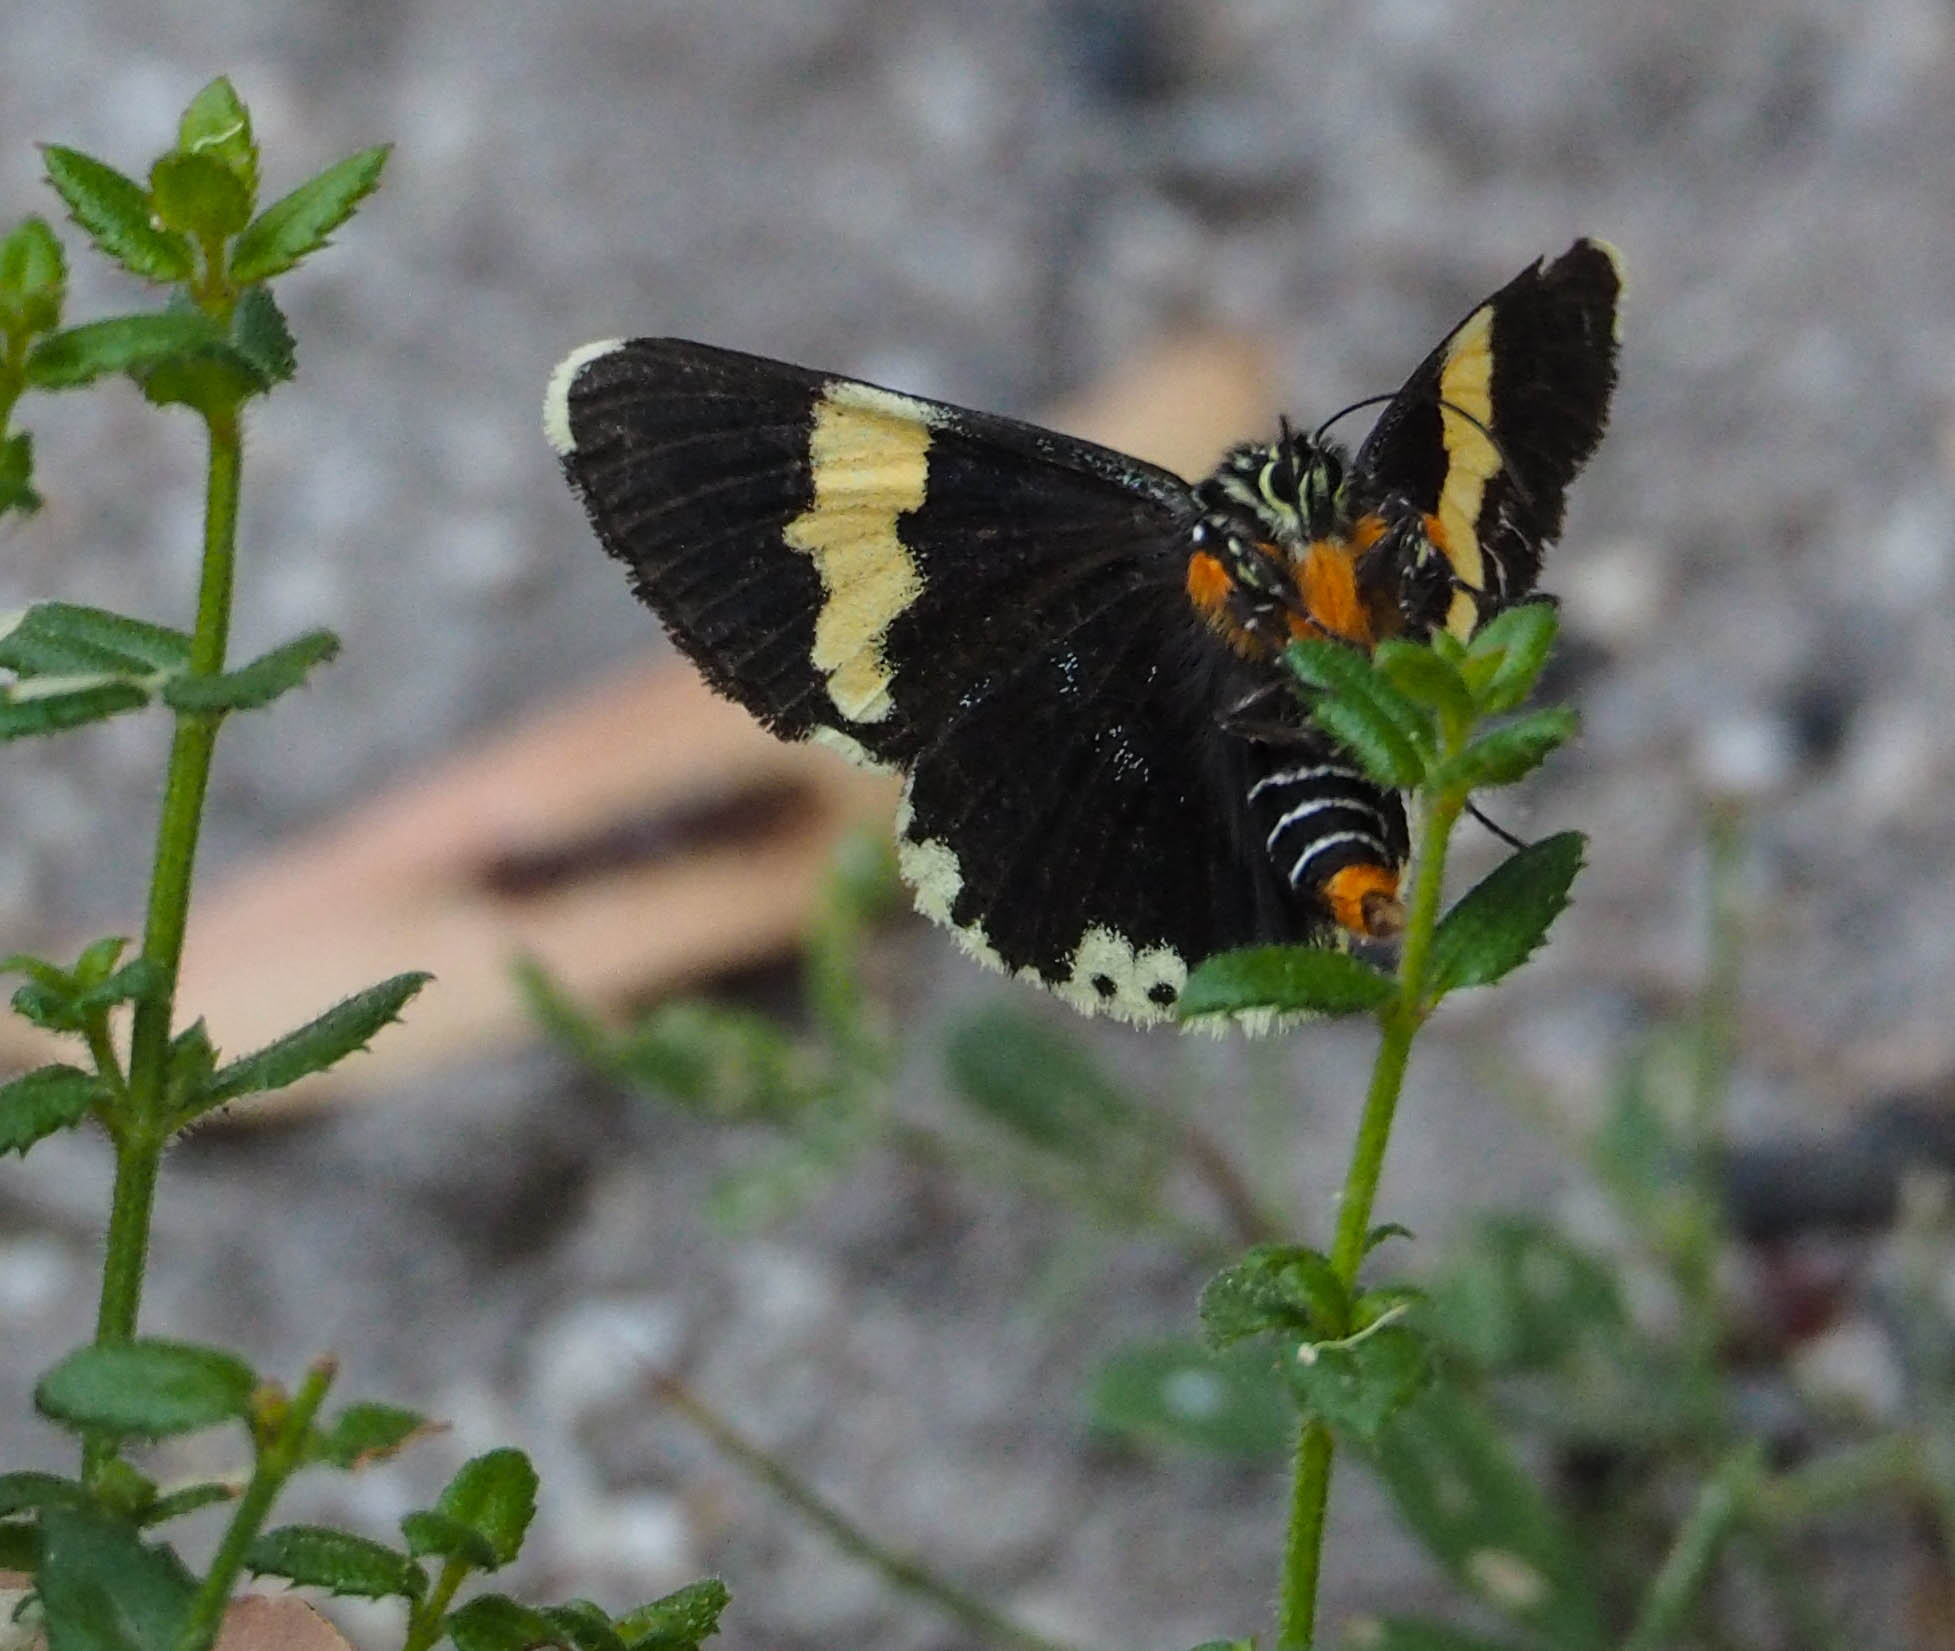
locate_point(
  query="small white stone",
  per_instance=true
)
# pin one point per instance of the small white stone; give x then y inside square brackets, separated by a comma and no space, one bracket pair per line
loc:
[1614,592]
[35,1273]
[1745,753]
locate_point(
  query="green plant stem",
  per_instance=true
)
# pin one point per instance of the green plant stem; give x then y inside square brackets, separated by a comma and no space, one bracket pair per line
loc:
[108,1064]
[900,1572]
[1695,1550]
[278,1458]
[1399,1022]
[424,1621]
[1303,1555]
[143,1128]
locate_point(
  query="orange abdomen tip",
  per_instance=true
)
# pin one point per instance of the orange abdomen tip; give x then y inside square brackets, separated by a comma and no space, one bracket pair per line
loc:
[1364,899]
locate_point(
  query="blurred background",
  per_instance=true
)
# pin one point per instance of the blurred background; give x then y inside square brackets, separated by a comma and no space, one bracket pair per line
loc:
[994,205]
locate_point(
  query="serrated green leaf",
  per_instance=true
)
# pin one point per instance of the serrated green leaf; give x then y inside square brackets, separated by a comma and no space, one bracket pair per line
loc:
[253,686]
[1389,734]
[434,1535]
[26,714]
[25,1490]
[1506,654]
[680,1620]
[1419,673]
[39,970]
[363,1433]
[147,1389]
[1509,753]
[213,381]
[1356,1386]
[338,1561]
[17,474]
[192,1059]
[188,1500]
[1286,1288]
[103,1588]
[48,1007]
[135,981]
[319,1044]
[199,195]
[60,1001]
[1045,1088]
[38,1103]
[217,124]
[584,1625]
[66,639]
[1180,1393]
[1463,1495]
[1288,979]
[259,332]
[114,210]
[98,960]
[299,224]
[1497,924]
[495,1495]
[494,1622]
[33,279]
[140,345]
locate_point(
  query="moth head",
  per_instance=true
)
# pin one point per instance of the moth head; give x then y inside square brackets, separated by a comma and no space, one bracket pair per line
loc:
[1289,486]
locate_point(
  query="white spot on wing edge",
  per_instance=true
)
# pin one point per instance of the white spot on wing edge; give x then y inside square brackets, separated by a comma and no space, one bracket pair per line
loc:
[556,398]
[931,868]
[11,622]
[1103,954]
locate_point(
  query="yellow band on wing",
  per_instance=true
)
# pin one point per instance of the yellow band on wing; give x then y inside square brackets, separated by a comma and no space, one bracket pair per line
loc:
[868,452]
[1465,416]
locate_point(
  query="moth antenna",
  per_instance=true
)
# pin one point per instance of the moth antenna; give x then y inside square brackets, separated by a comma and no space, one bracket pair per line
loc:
[1498,830]
[1493,441]
[1345,412]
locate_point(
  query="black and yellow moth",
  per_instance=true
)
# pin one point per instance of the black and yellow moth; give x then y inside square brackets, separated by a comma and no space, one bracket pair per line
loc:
[1069,653]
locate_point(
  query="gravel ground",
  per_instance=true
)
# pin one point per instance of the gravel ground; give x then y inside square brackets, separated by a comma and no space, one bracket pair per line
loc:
[993,205]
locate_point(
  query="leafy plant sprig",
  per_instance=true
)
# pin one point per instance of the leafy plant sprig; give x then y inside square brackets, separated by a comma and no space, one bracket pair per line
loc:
[1413,717]
[195,225]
